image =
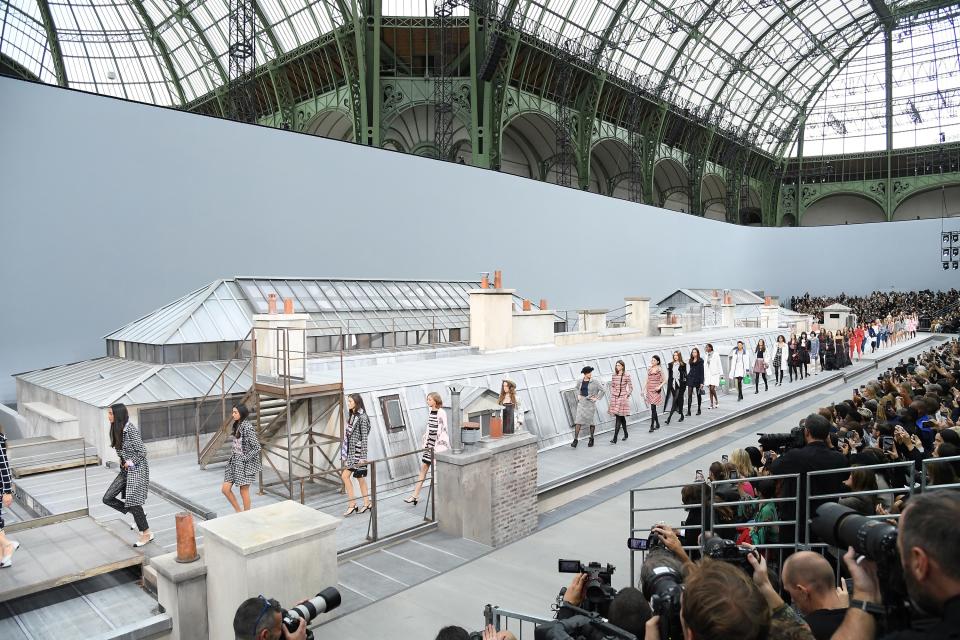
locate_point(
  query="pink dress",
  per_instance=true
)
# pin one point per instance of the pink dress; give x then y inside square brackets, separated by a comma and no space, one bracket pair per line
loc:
[654,381]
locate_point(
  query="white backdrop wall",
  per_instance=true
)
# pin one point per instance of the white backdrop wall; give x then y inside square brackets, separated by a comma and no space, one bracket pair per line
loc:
[110,209]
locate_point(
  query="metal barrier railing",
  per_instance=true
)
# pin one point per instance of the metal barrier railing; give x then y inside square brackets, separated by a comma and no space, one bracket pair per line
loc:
[911,483]
[333,498]
[519,624]
[929,463]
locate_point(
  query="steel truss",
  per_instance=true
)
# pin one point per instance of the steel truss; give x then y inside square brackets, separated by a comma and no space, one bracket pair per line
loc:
[242,49]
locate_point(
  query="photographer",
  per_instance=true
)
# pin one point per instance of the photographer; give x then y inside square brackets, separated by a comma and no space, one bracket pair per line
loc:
[459,633]
[628,610]
[259,619]
[930,558]
[809,580]
[815,455]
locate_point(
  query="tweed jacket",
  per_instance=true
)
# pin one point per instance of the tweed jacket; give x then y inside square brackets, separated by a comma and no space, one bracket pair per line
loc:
[739,363]
[357,440]
[621,386]
[248,463]
[138,478]
[6,476]
[695,373]
[587,409]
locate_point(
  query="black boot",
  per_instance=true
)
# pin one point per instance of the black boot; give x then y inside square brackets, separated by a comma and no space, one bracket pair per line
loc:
[574,443]
[624,433]
[590,442]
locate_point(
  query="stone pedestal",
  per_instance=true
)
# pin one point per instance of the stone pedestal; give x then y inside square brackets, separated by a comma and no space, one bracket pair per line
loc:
[491,319]
[592,320]
[489,492]
[729,315]
[769,316]
[638,313]
[182,591]
[671,329]
[274,344]
[531,328]
[285,551]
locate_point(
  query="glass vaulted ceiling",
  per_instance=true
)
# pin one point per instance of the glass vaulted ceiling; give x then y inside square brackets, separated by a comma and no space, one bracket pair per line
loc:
[751,66]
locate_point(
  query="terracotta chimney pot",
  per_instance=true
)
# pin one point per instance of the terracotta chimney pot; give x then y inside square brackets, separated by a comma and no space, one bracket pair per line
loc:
[271,303]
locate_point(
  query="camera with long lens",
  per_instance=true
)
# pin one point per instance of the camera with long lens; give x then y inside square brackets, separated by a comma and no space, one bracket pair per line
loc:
[781,442]
[326,600]
[730,552]
[660,581]
[598,593]
[843,527]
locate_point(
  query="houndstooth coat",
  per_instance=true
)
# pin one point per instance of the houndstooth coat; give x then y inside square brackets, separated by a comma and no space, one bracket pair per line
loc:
[138,478]
[242,469]
[356,445]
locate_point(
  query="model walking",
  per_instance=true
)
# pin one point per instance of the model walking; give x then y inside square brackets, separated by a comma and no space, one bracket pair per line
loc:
[676,385]
[654,393]
[621,386]
[695,379]
[511,413]
[7,546]
[435,440]
[133,481]
[760,367]
[795,360]
[780,357]
[714,371]
[353,454]
[739,365]
[588,392]
[804,345]
[815,357]
[244,463]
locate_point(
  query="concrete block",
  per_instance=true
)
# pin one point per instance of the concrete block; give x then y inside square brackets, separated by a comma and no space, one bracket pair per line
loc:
[491,319]
[286,551]
[182,591]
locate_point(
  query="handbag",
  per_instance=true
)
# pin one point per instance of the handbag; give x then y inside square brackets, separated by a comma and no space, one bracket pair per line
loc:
[747,379]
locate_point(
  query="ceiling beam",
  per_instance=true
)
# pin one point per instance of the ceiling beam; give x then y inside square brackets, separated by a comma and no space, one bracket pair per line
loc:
[53,42]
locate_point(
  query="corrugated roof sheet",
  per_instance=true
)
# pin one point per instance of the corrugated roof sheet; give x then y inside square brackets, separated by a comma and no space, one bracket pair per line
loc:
[97,382]
[705,296]
[105,381]
[223,310]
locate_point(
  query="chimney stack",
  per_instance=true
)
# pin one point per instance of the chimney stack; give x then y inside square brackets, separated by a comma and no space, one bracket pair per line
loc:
[272,303]
[526,305]
[498,279]
[288,306]
[543,304]
[485,281]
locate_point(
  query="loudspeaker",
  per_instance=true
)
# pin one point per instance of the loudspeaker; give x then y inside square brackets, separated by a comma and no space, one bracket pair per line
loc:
[495,51]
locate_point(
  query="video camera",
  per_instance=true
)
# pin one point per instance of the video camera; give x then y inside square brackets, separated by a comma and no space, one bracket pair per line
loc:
[598,593]
[843,527]
[326,600]
[730,552]
[583,625]
[781,442]
[660,581]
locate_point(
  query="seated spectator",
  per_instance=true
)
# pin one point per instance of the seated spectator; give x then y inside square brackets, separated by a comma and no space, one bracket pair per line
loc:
[809,579]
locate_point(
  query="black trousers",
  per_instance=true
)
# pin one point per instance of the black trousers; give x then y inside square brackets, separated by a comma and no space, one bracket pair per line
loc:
[778,374]
[677,406]
[118,488]
[690,391]
[794,372]
[740,387]
[619,422]
[756,379]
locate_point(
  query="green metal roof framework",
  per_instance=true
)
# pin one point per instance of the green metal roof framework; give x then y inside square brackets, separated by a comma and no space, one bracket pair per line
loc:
[749,68]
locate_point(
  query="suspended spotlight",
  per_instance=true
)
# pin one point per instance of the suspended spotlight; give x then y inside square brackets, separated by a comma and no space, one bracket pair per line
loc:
[946,254]
[956,265]
[956,252]
[956,237]
[946,266]
[945,239]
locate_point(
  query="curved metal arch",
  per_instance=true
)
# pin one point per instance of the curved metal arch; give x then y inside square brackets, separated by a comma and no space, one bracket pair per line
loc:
[948,184]
[54,43]
[150,32]
[746,54]
[696,27]
[387,122]
[608,139]
[816,89]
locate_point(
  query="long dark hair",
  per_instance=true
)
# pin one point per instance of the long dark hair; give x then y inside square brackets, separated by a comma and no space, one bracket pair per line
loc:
[244,412]
[357,404]
[120,419]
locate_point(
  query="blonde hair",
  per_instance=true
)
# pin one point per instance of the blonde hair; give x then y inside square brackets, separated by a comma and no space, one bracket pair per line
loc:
[437,400]
[741,460]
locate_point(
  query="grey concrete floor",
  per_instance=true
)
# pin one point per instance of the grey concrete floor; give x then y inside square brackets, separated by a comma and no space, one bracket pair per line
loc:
[522,576]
